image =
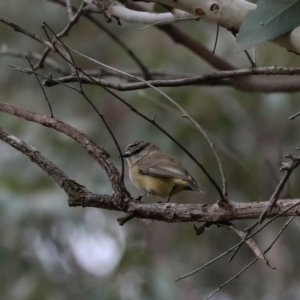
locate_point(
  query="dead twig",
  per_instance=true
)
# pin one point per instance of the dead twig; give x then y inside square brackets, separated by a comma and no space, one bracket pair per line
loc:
[252,262]
[240,243]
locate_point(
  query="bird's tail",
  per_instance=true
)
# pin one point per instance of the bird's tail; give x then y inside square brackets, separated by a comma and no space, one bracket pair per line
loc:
[194,186]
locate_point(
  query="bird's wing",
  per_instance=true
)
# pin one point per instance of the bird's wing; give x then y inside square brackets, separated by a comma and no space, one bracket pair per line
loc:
[165,169]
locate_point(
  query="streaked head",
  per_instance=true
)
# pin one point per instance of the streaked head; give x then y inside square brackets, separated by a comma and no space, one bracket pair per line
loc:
[137,150]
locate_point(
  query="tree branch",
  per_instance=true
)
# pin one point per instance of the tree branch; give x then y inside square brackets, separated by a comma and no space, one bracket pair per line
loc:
[115,38]
[98,153]
[210,78]
[121,201]
[230,14]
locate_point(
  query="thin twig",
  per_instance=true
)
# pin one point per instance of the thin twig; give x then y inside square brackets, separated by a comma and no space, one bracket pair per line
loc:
[272,202]
[233,247]
[233,277]
[185,114]
[42,88]
[253,65]
[98,63]
[288,168]
[294,116]
[252,262]
[132,108]
[237,249]
[29,71]
[88,100]
[214,78]
[116,39]
[249,84]
[18,28]
[63,54]
[125,219]
[72,21]
[33,55]
[216,39]
[250,242]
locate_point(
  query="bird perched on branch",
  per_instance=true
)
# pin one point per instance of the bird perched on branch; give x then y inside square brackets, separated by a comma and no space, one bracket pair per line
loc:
[157,173]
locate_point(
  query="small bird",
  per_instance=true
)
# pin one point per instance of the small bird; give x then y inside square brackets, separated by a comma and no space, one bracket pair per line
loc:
[157,173]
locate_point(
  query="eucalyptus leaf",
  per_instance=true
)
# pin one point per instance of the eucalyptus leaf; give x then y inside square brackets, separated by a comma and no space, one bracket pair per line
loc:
[269,20]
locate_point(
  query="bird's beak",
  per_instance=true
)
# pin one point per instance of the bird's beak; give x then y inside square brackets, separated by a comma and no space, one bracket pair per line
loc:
[124,155]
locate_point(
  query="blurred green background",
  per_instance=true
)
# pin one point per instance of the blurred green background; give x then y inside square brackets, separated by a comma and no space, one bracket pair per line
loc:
[51,251]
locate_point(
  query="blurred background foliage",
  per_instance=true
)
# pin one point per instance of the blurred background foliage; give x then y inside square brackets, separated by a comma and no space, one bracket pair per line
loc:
[51,251]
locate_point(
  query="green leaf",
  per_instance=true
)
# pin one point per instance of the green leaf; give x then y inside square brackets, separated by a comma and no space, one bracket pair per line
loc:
[269,20]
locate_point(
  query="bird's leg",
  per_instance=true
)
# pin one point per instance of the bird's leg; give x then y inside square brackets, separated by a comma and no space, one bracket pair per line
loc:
[172,190]
[139,198]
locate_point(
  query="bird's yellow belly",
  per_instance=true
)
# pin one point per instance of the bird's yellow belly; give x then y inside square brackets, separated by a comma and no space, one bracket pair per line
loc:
[158,186]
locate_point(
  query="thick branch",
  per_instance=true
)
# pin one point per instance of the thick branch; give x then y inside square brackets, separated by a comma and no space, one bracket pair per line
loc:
[230,14]
[72,188]
[35,156]
[98,153]
[168,212]
[248,83]
[172,212]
